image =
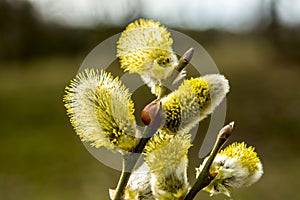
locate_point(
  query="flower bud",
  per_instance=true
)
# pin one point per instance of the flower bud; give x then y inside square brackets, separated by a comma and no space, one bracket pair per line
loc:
[153,115]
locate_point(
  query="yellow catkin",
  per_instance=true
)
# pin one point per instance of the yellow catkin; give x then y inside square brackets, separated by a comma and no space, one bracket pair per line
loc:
[145,48]
[101,111]
[166,156]
[245,154]
[186,106]
[234,167]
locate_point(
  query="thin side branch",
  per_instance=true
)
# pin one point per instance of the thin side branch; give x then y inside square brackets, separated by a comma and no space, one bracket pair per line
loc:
[204,179]
[167,83]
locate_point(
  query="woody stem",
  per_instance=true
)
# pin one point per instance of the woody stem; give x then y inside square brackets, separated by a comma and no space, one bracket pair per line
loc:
[167,83]
[129,162]
[204,179]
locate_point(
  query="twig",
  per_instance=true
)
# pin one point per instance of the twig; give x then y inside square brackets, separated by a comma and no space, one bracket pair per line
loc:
[167,83]
[125,175]
[204,179]
[154,113]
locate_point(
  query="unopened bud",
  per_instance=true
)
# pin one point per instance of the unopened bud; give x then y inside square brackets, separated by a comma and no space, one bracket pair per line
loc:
[185,60]
[226,131]
[153,114]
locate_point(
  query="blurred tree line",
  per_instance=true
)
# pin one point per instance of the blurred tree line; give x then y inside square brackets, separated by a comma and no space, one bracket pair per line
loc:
[23,35]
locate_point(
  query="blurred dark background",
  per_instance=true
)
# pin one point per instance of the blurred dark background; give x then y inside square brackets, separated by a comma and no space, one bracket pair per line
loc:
[41,50]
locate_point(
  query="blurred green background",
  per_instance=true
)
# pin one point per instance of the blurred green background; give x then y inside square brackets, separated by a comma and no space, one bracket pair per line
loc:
[42,158]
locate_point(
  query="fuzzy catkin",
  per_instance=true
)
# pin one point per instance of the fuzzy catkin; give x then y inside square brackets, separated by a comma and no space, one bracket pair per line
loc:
[101,111]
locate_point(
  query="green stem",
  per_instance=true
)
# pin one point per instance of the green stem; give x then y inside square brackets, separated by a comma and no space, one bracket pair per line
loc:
[204,178]
[130,160]
[122,181]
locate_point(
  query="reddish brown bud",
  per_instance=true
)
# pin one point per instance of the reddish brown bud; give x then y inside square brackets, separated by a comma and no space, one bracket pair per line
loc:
[188,54]
[226,131]
[152,114]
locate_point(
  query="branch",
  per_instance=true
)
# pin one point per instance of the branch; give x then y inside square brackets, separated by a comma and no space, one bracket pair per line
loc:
[153,117]
[204,178]
[167,83]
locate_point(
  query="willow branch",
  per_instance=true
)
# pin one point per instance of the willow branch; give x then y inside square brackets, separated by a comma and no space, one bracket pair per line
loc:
[153,117]
[167,83]
[204,178]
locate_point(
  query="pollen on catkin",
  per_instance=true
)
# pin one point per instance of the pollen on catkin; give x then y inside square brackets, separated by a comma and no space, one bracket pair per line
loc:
[194,100]
[101,111]
[145,48]
[166,156]
[234,167]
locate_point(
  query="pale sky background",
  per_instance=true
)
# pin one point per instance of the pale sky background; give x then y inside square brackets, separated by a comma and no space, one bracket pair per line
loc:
[231,15]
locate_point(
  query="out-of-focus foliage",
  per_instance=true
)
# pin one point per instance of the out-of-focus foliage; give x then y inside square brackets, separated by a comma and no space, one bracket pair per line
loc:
[23,35]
